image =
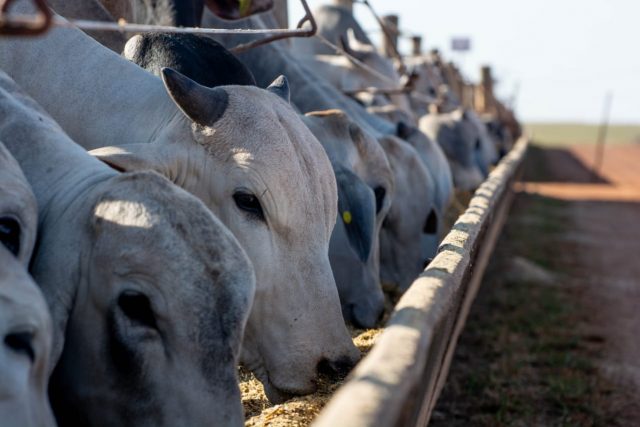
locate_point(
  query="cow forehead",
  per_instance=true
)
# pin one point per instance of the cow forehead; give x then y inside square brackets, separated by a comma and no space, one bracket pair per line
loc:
[265,134]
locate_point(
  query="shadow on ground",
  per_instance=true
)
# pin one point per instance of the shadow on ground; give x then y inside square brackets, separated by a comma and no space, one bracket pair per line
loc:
[558,165]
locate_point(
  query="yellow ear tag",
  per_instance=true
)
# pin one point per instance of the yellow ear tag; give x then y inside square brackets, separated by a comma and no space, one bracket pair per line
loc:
[245,5]
[346,217]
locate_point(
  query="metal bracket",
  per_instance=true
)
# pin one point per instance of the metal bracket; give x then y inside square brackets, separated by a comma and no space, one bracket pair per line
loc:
[386,31]
[298,32]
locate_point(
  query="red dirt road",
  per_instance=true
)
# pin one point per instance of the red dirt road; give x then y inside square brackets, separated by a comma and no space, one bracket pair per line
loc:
[605,230]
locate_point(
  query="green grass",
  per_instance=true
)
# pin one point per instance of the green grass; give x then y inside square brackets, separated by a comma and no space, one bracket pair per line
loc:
[558,134]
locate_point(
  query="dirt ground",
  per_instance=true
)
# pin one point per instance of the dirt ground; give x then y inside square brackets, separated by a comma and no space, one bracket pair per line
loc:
[554,336]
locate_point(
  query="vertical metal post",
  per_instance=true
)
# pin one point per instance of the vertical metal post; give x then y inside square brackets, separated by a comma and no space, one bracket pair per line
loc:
[416,45]
[347,4]
[281,13]
[602,134]
[486,85]
[390,29]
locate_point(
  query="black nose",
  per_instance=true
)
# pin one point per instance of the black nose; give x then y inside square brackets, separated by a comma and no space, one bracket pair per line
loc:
[336,369]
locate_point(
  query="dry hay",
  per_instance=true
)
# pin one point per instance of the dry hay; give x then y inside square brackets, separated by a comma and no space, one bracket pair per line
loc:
[301,411]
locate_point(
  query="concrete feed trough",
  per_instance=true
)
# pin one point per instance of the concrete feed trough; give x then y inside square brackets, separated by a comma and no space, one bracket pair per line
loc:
[398,383]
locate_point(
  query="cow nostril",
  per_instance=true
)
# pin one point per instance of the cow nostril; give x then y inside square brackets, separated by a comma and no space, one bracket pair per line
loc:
[21,343]
[325,368]
[335,369]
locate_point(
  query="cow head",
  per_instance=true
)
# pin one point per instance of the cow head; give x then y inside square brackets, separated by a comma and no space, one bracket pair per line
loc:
[365,191]
[18,209]
[438,167]
[154,333]
[424,77]
[410,217]
[458,137]
[25,328]
[259,169]
[486,150]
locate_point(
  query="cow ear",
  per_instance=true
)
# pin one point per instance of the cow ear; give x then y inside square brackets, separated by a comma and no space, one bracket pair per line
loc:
[201,104]
[280,87]
[357,210]
[128,158]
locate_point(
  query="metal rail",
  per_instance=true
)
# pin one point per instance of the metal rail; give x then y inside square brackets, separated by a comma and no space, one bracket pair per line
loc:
[399,381]
[298,32]
[418,96]
[20,24]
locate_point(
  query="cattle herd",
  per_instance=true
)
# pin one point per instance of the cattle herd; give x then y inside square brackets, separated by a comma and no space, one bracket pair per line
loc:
[169,210]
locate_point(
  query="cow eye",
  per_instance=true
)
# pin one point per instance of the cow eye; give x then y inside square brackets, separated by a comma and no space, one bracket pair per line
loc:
[137,308]
[10,234]
[380,192]
[478,143]
[250,204]
[21,343]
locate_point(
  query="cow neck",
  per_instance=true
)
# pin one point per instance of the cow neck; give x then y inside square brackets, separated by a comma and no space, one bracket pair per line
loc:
[58,170]
[61,175]
[97,97]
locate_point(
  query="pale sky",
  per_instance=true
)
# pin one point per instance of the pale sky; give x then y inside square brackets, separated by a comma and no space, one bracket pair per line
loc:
[561,56]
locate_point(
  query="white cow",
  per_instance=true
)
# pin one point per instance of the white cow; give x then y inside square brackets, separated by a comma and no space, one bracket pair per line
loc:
[25,362]
[362,172]
[18,209]
[148,291]
[243,151]
[487,155]
[458,137]
[434,159]
[314,93]
[365,194]
[407,236]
